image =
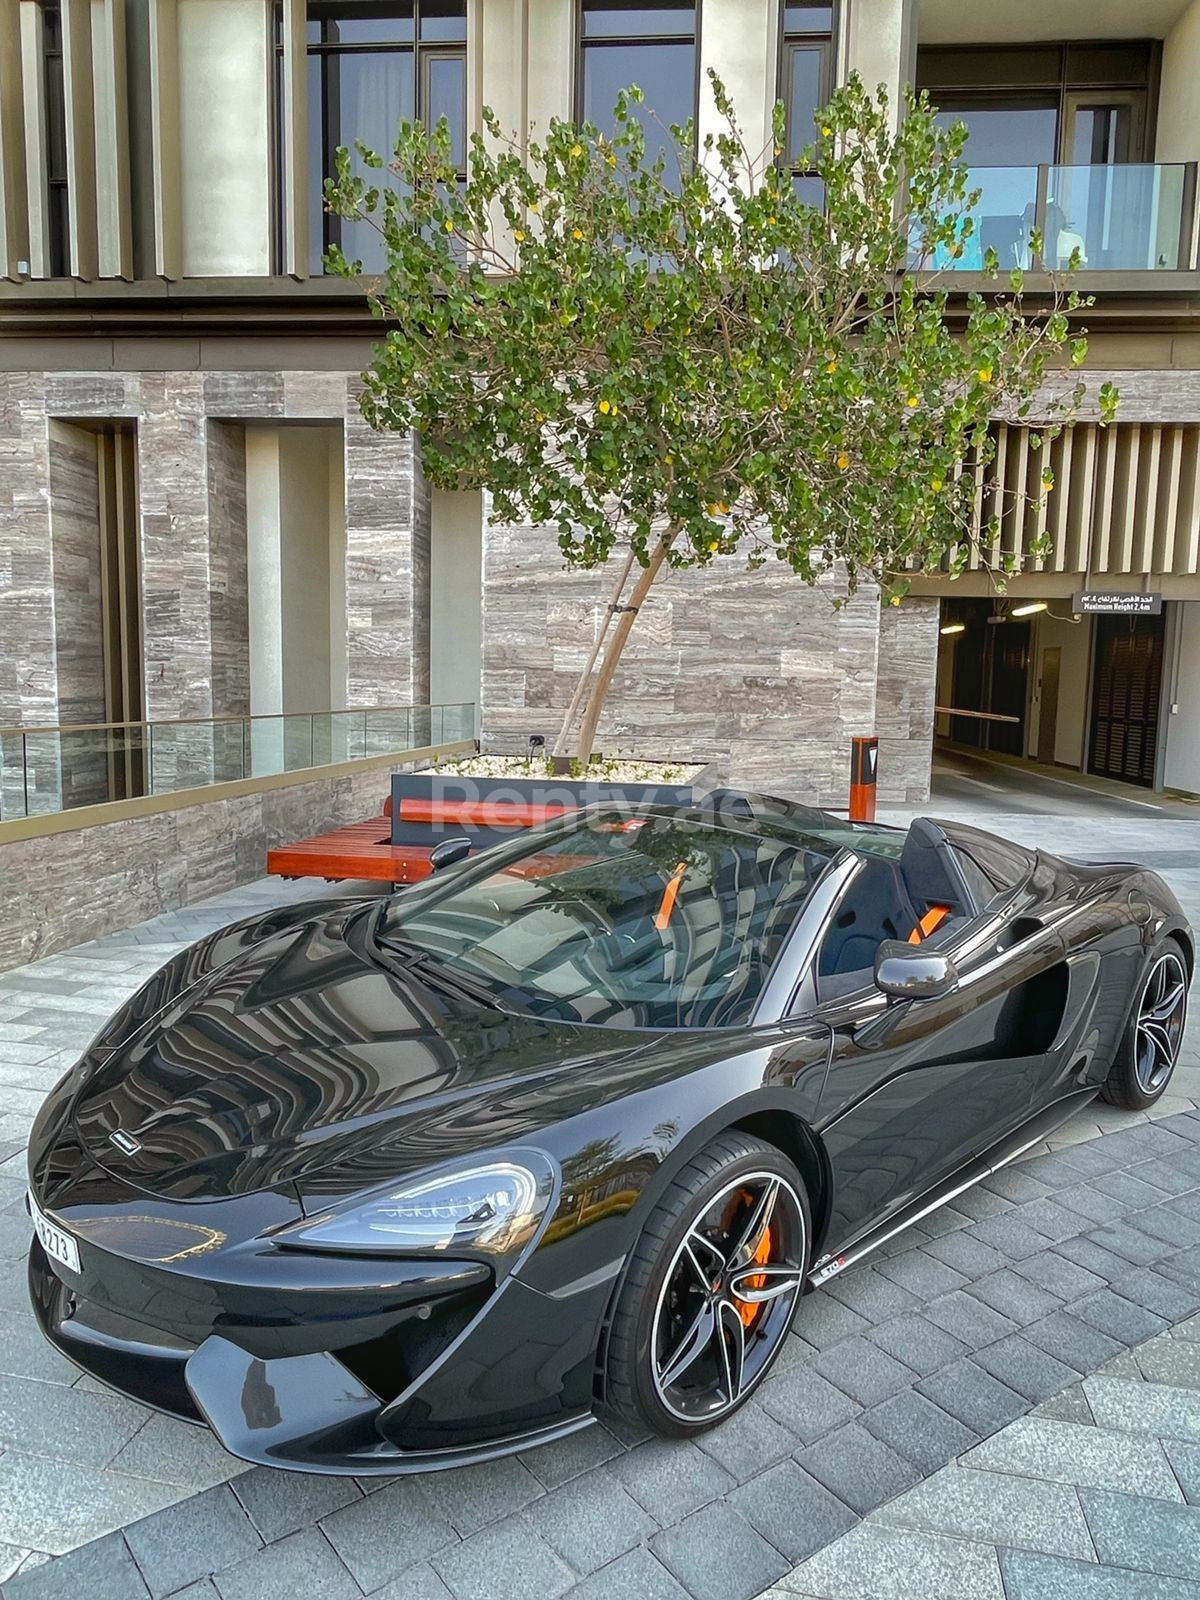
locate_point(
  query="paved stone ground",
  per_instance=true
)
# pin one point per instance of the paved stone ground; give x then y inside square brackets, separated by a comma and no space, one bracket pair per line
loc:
[969,1322]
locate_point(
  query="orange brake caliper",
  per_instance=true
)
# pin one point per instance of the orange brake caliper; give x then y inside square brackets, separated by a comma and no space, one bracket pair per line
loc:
[748,1310]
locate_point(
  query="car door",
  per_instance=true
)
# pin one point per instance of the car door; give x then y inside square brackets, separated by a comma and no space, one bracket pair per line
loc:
[916,1088]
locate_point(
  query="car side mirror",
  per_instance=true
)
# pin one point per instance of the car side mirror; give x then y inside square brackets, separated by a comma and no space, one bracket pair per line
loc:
[448,852]
[907,972]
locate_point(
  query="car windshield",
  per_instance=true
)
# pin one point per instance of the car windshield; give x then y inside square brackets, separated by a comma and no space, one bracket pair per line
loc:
[653,920]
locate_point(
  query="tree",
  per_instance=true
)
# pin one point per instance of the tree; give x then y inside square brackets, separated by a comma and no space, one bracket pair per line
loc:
[679,358]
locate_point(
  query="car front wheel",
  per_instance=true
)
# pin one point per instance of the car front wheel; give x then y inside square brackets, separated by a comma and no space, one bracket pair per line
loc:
[711,1288]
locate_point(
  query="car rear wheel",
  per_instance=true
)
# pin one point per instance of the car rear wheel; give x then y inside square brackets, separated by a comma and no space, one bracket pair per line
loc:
[1149,1048]
[711,1288]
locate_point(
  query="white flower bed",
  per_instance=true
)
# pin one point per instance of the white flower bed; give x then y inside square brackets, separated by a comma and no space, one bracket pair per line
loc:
[614,769]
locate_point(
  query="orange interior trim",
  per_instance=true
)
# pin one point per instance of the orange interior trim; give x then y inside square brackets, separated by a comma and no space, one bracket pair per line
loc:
[932,919]
[667,904]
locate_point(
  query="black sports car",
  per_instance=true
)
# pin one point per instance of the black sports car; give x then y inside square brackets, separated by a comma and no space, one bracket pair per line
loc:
[391,1184]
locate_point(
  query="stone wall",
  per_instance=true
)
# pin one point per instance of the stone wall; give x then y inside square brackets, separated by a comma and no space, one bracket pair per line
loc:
[68,887]
[753,669]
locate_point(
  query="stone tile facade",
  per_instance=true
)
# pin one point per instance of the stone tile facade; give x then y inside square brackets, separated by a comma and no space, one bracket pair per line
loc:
[753,669]
[68,887]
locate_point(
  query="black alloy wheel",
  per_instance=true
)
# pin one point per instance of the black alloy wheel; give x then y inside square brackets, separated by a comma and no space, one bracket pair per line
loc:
[1146,1056]
[711,1289]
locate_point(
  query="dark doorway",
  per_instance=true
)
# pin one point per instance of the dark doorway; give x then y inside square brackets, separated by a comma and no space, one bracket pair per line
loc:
[1047,741]
[989,676]
[1126,690]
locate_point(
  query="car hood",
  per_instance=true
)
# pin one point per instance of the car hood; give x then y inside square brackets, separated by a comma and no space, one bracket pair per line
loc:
[304,1062]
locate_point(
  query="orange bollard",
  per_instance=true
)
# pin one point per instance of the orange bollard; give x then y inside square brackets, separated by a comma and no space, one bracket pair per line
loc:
[864,772]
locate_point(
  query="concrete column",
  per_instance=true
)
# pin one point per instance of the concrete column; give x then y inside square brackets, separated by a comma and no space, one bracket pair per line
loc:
[14,204]
[739,40]
[877,40]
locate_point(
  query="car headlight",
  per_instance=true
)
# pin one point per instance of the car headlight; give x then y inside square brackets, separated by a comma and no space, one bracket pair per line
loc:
[493,1205]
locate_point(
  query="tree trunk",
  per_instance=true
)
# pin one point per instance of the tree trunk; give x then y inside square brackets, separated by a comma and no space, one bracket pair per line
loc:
[585,677]
[616,644]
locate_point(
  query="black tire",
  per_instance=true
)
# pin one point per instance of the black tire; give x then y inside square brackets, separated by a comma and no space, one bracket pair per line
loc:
[1145,1059]
[662,1294]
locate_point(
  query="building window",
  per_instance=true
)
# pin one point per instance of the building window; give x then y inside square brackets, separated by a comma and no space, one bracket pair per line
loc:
[806,75]
[58,230]
[370,67]
[651,46]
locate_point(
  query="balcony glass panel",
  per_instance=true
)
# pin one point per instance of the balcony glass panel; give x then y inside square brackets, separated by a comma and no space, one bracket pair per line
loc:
[1123,218]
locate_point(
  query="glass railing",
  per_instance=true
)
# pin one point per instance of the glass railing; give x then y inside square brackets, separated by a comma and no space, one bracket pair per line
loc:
[1132,218]
[49,769]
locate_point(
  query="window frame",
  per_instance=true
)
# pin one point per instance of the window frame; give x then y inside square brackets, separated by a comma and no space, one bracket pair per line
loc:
[628,40]
[417,50]
[790,43]
[58,186]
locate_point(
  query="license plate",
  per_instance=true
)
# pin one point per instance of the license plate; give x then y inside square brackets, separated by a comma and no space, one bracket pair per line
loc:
[56,1242]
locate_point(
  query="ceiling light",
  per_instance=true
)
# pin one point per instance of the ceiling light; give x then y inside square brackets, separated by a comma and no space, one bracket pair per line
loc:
[1030,608]
[955,627]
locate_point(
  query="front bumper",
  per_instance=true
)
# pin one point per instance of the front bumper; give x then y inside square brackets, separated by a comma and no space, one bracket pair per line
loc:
[437,1367]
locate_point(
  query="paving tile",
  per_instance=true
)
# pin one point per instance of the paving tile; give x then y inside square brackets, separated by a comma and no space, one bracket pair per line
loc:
[418,1583]
[1015,1184]
[1051,1218]
[997,1508]
[792,1510]
[1171,1361]
[51,1419]
[866,1292]
[1148,1535]
[1121,1319]
[967,1254]
[972,1395]
[979,1204]
[1089,1457]
[1014,1297]
[1073,1341]
[171,1451]
[471,1497]
[1012,1237]
[1025,1368]
[896,1564]
[1149,1408]
[864,1371]
[1051,1170]
[1061,1277]
[25,1352]
[1093,1160]
[1166,1226]
[591,1521]
[968,1319]
[858,1468]
[100,1570]
[55,1506]
[1123,1365]
[943,1221]
[920,1431]
[1086,1253]
[921,1274]
[749,1441]
[670,1479]
[504,1559]
[301,1563]
[393,1528]
[1146,1286]
[1088,1200]
[1069,1405]
[716,1555]
[1122,1239]
[807,1404]
[1185,1463]
[279,1503]
[919,1343]
[1028,1576]
[191,1540]
[823,1321]
[636,1576]
[555,1463]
